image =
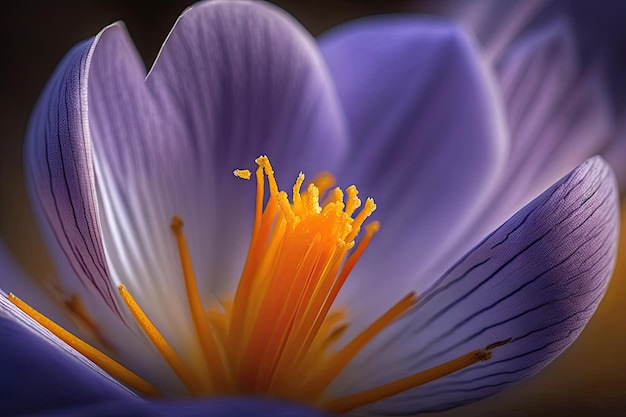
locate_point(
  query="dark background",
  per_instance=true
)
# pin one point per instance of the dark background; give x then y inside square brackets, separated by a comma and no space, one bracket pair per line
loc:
[588,380]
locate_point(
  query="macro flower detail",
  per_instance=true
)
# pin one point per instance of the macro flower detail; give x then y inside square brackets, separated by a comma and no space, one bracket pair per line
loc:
[432,315]
[275,336]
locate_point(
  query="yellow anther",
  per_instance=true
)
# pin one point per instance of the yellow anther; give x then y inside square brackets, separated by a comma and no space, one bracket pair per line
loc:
[297,197]
[338,197]
[360,218]
[243,174]
[313,199]
[372,227]
[285,208]
[352,202]
[263,161]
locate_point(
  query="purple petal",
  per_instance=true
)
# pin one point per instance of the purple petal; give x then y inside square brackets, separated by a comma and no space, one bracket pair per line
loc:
[586,43]
[216,407]
[495,23]
[59,166]
[537,279]
[60,174]
[558,113]
[427,142]
[40,372]
[246,78]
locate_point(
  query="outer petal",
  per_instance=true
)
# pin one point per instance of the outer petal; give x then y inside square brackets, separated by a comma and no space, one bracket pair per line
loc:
[426,141]
[560,66]
[495,23]
[60,172]
[61,176]
[558,113]
[537,279]
[221,407]
[40,372]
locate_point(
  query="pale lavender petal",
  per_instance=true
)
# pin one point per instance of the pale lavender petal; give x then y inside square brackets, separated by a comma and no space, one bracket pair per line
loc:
[60,173]
[496,23]
[558,114]
[40,372]
[427,143]
[245,79]
[550,53]
[59,167]
[537,280]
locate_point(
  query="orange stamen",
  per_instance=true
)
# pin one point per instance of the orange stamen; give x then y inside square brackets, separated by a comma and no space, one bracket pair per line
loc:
[345,404]
[345,355]
[276,335]
[215,365]
[182,370]
[110,366]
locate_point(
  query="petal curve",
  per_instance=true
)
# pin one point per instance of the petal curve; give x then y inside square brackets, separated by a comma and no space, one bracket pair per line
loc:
[60,173]
[40,372]
[537,279]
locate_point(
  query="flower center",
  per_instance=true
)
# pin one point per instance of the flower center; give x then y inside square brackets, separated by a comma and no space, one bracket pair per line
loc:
[278,334]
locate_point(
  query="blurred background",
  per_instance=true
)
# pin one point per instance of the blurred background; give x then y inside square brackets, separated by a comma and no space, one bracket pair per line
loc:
[588,380]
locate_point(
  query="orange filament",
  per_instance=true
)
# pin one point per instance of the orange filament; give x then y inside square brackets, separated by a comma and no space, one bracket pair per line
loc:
[297,257]
[276,335]
[110,366]
[339,361]
[345,404]
[207,341]
[184,372]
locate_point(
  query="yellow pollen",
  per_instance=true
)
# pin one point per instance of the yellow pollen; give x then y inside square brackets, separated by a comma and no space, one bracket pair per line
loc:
[278,333]
[243,173]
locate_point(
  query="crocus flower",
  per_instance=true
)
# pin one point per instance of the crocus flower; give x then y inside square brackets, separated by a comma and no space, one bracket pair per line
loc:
[432,316]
